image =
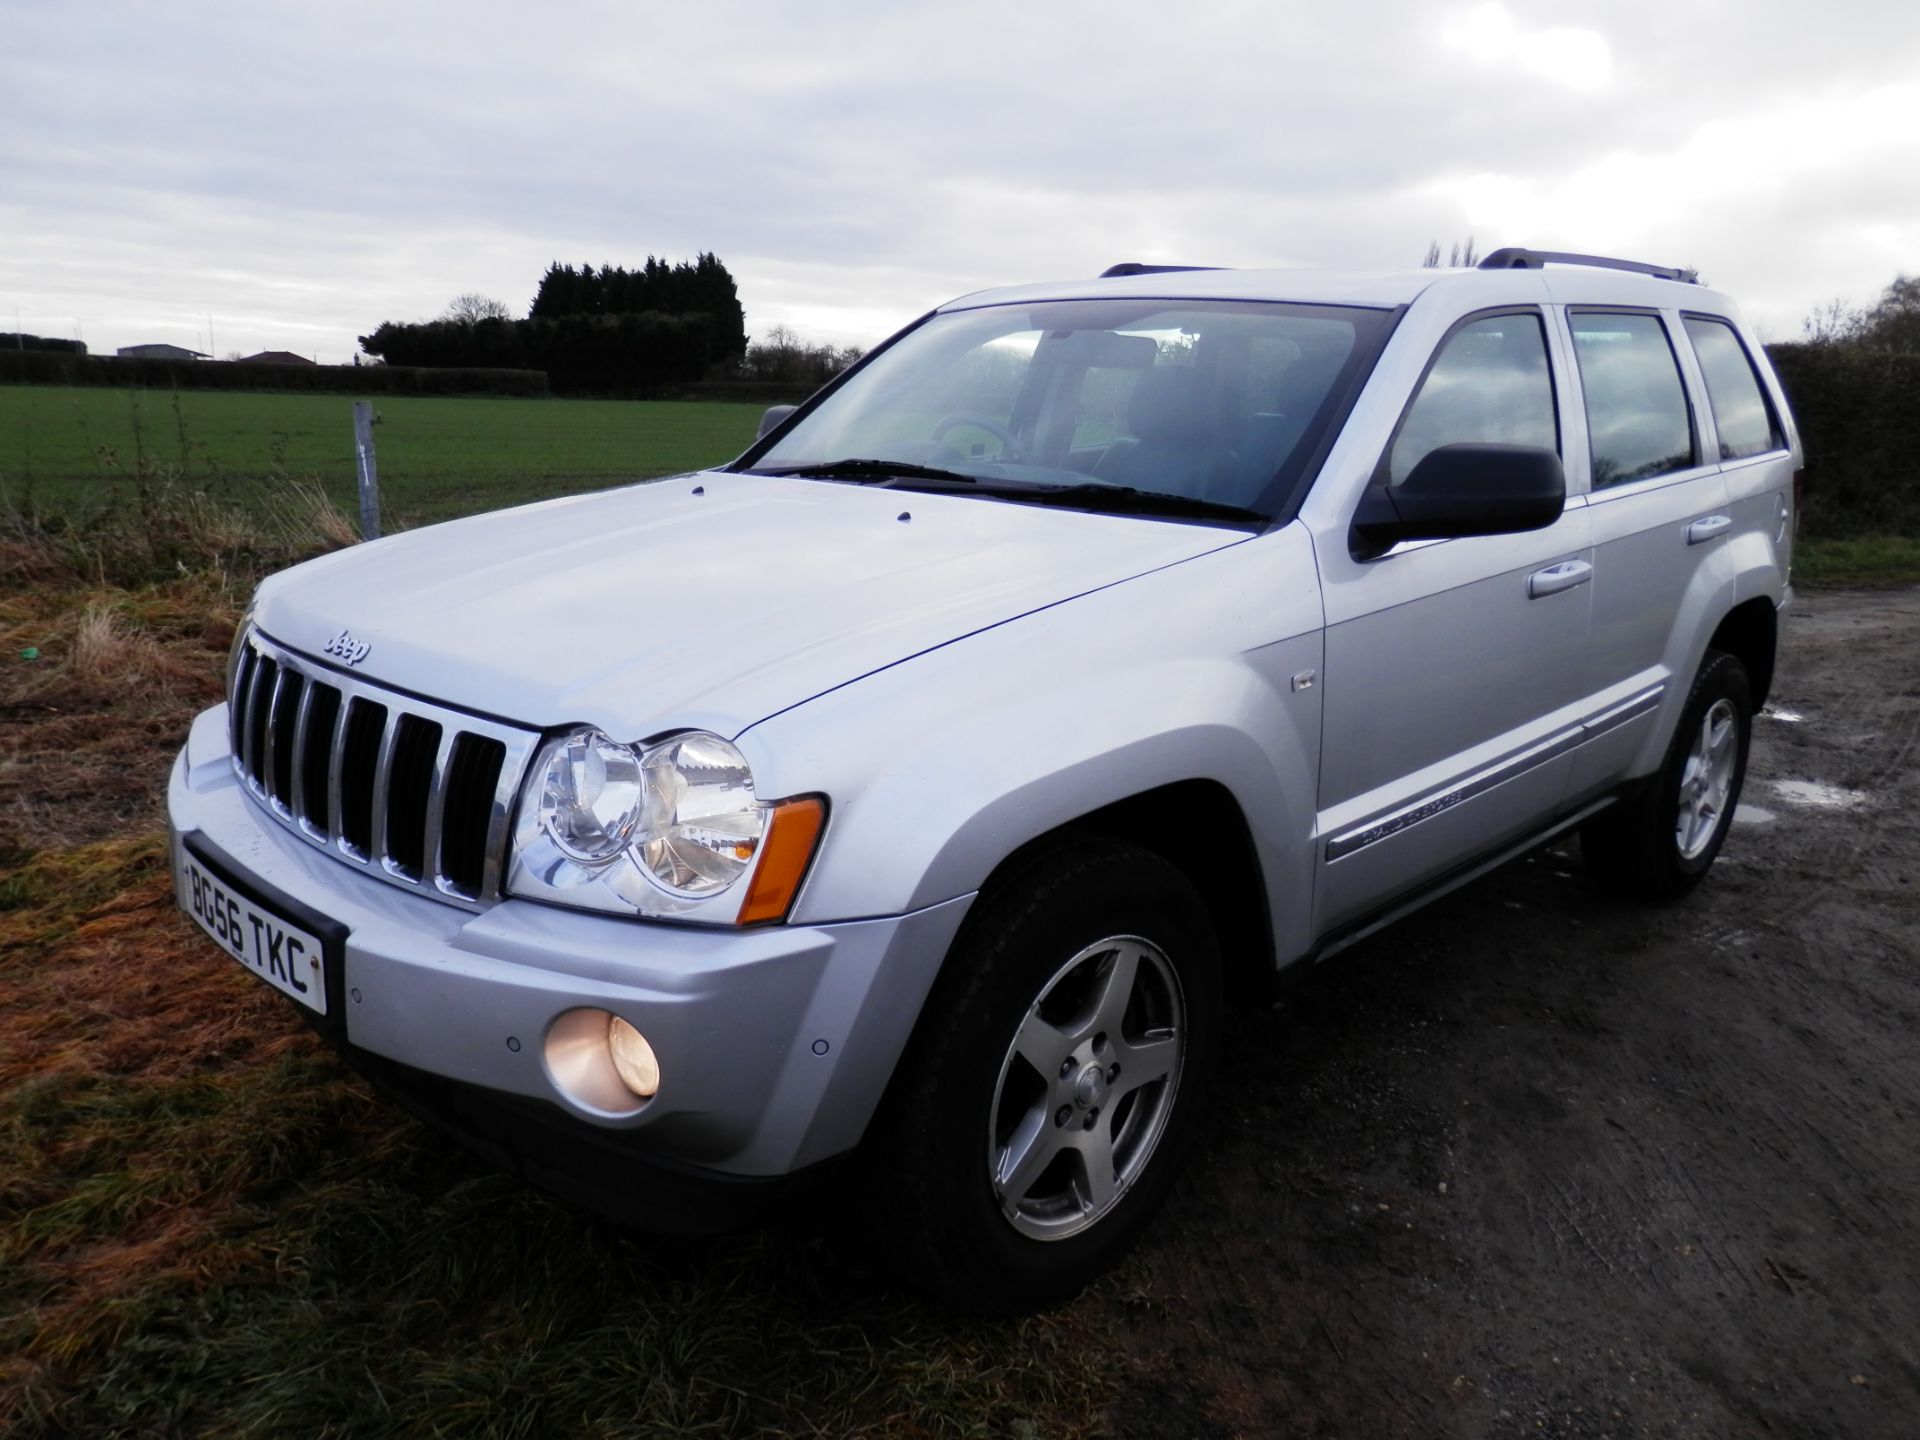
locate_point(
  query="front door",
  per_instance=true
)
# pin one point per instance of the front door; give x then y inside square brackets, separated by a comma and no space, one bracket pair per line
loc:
[1455,669]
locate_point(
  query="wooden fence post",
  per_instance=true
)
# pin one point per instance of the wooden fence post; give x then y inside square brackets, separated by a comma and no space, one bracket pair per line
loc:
[369,473]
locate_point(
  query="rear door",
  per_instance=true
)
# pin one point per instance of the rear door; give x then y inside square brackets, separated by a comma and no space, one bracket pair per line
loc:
[1454,668]
[1659,514]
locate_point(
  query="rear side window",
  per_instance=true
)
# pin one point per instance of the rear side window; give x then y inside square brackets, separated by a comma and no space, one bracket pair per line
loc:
[1741,412]
[1488,385]
[1636,406]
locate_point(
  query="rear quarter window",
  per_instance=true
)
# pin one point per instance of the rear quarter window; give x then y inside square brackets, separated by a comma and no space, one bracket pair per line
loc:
[1742,415]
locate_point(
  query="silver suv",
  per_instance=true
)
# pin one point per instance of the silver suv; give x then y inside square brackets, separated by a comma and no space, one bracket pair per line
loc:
[905,801]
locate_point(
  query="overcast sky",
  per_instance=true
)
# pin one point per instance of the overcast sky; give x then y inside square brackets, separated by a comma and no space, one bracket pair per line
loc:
[292,174]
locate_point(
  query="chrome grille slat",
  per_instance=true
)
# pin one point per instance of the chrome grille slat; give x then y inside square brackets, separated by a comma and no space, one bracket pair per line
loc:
[337,746]
[437,806]
[287,683]
[409,792]
[320,715]
[503,798]
[367,721]
[237,684]
[249,755]
[382,779]
[269,746]
[472,779]
[291,736]
[298,799]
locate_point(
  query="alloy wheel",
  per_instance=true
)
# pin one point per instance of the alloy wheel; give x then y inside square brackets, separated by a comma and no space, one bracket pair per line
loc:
[1707,780]
[1086,1088]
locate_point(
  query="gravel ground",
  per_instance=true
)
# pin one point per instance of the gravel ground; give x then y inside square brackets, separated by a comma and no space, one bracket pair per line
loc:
[1537,1162]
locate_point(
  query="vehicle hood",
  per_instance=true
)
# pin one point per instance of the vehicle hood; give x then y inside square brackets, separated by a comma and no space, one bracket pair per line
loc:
[708,601]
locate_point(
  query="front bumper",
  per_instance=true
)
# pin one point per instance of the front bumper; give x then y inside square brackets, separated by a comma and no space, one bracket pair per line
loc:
[604,1171]
[775,1044]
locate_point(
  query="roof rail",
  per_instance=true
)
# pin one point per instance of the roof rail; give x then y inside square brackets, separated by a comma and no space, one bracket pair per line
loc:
[1517,258]
[1135,267]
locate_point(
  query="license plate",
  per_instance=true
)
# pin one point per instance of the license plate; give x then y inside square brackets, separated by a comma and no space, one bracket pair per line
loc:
[287,957]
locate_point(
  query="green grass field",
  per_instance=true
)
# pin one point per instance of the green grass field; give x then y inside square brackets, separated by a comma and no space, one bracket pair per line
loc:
[75,451]
[1875,561]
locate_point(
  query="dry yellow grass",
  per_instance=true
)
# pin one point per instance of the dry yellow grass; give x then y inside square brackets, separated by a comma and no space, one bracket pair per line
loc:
[308,521]
[88,723]
[108,657]
[174,529]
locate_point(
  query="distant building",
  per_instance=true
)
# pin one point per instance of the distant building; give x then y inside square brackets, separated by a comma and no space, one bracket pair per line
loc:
[275,357]
[159,352]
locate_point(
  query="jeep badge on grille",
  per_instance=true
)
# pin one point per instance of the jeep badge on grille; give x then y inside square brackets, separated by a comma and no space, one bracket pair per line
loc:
[346,648]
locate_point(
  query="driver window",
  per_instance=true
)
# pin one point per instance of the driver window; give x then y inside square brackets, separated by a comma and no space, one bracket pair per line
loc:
[1490,385]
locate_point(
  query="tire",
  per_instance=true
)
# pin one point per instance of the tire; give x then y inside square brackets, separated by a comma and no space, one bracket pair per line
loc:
[1053,1085]
[1661,839]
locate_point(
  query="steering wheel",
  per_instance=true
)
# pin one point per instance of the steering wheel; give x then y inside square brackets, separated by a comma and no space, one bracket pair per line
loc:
[1010,448]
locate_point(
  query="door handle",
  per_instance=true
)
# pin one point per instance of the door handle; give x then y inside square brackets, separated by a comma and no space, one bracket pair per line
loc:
[1701,531]
[1555,578]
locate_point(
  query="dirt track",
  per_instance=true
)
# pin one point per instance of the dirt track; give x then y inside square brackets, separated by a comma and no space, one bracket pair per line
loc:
[1537,1163]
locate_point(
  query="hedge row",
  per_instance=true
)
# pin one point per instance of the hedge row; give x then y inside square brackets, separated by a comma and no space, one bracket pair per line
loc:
[621,356]
[1859,416]
[15,340]
[745,392]
[46,368]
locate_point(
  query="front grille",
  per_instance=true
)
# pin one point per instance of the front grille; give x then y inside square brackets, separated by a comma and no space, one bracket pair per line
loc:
[408,791]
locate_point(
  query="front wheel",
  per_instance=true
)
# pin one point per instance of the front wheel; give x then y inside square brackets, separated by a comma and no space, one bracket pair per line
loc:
[1056,1078]
[1658,843]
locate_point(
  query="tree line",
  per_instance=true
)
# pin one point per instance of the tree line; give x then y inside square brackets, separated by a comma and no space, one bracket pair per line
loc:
[783,358]
[605,331]
[1852,382]
[701,286]
[1890,325]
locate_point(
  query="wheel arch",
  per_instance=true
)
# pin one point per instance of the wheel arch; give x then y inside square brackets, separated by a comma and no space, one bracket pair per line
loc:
[1198,827]
[1218,856]
[1750,633]
[1234,893]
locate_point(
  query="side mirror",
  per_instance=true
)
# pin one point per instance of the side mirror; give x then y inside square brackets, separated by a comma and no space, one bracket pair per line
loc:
[1461,490]
[772,418]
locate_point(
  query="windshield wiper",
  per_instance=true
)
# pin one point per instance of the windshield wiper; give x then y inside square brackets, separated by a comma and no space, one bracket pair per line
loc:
[1092,495]
[853,468]
[1126,500]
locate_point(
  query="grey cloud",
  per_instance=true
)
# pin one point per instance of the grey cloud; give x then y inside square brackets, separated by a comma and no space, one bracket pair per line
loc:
[321,168]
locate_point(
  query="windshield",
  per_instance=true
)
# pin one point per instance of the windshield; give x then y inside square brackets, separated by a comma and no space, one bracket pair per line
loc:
[1216,402]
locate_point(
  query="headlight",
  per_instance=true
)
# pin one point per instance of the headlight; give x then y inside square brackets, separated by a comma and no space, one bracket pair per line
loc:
[590,797]
[672,829]
[703,824]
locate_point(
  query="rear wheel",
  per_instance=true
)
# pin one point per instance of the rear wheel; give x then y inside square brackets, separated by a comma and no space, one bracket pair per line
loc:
[1659,842]
[1043,1108]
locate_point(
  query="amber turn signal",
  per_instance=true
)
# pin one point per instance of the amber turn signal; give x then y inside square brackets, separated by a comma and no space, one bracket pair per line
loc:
[792,832]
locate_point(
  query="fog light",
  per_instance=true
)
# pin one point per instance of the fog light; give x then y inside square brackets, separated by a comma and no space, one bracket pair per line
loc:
[600,1064]
[633,1058]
